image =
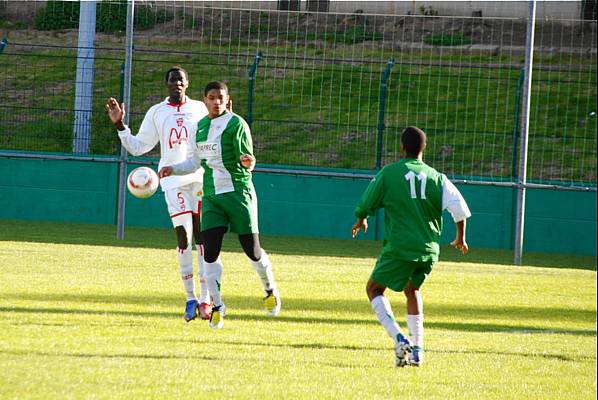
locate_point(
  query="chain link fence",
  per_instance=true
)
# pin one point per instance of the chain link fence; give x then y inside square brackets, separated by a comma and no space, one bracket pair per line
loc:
[322,90]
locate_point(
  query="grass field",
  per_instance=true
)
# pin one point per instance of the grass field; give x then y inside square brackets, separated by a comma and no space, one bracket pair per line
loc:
[83,315]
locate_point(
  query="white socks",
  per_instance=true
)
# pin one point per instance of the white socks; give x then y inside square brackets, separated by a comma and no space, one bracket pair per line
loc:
[186,267]
[384,314]
[204,294]
[263,267]
[213,276]
[415,323]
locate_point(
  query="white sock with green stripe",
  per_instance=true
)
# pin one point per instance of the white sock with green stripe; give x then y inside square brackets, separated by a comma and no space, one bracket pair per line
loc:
[415,323]
[213,277]
[384,314]
[263,267]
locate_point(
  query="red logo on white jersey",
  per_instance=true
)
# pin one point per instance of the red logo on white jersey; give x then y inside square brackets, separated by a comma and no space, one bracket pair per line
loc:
[178,135]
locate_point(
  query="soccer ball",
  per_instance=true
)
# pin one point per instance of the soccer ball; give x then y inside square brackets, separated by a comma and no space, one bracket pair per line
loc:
[143,182]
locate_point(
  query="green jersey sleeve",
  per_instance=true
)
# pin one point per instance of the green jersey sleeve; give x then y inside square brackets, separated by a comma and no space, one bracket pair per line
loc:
[243,142]
[372,198]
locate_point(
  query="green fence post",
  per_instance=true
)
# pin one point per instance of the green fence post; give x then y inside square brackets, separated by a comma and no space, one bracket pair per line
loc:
[3,44]
[381,108]
[516,122]
[251,78]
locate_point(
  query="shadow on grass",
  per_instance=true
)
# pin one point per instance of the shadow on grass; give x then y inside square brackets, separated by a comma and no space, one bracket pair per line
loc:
[325,346]
[248,308]
[355,307]
[29,353]
[164,238]
[314,346]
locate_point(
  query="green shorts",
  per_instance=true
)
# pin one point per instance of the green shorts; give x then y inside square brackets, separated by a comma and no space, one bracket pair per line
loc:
[395,274]
[236,211]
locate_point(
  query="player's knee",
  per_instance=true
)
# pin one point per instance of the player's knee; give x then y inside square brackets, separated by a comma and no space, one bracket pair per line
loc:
[210,255]
[373,289]
[254,255]
[182,239]
[410,291]
[209,259]
[251,246]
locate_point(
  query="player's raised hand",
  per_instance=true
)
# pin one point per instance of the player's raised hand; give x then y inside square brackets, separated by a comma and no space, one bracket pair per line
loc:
[247,161]
[460,244]
[116,112]
[165,171]
[361,223]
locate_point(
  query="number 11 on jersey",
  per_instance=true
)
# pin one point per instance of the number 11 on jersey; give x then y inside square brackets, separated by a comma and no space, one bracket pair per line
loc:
[410,176]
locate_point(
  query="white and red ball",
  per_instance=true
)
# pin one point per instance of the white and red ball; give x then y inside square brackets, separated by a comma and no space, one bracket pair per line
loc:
[143,182]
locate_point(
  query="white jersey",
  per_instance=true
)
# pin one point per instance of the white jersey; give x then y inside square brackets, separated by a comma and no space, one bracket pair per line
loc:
[175,127]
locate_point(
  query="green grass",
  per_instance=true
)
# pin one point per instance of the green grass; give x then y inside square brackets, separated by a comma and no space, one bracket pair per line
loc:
[447,39]
[84,315]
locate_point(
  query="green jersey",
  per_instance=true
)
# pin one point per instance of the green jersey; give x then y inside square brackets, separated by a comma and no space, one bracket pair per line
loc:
[411,194]
[220,143]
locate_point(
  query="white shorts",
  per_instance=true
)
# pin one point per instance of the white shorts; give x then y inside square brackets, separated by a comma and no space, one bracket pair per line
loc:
[183,201]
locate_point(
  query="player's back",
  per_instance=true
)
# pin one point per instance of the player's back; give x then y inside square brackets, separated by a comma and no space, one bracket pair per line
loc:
[413,210]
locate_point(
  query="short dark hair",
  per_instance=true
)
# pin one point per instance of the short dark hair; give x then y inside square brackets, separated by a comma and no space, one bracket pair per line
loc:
[176,68]
[215,85]
[413,140]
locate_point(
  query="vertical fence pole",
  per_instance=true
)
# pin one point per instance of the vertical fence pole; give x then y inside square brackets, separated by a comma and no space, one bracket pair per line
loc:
[515,153]
[126,97]
[381,108]
[516,122]
[527,88]
[251,78]
[84,78]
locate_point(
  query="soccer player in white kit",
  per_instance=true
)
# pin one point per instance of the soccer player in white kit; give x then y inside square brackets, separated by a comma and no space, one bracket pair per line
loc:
[173,123]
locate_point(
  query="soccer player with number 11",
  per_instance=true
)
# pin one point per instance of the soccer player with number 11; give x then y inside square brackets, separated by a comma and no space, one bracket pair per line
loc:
[413,196]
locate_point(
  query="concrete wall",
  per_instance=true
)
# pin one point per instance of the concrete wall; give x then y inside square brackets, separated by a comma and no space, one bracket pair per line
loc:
[510,9]
[25,10]
[293,205]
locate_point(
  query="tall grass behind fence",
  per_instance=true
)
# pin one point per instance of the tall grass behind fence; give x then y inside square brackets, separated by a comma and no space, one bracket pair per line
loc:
[317,89]
[37,108]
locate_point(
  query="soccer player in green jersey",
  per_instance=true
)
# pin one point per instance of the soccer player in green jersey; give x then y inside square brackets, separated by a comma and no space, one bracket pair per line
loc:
[413,196]
[225,151]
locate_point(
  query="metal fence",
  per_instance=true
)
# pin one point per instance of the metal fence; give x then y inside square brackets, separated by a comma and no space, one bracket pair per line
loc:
[325,91]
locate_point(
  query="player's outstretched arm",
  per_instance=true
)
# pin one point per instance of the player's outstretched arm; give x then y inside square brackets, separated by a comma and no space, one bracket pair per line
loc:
[116,112]
[360,224]
[459,243]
